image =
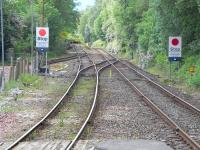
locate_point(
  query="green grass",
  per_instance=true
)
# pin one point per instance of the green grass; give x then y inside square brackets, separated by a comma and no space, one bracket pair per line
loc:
[30,80]
[63,116]
[6,109]
[83,87]
[12,84]
[71,136]
[55,54]
[25,81]
[157,71]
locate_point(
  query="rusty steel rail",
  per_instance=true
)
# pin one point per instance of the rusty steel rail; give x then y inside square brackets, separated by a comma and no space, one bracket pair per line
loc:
[93,108]
[170,122]
[47,115]
[175,97]
[57,60]
[156,109]
[79,71]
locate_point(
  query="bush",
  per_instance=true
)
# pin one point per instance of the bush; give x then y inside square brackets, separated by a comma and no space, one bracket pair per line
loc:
[192,80]
[195,81]
[28,79]
[11,85]
[99,44]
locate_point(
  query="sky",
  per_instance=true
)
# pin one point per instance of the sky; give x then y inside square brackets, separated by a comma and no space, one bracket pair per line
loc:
[84,4]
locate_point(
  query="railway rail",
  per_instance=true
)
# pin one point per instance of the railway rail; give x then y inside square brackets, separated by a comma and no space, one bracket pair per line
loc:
[80,70]
[189,135]
[122,69]
[176,128]
[49,113]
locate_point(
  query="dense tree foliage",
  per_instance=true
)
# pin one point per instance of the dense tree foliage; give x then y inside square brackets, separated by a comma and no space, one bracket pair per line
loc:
[60,15]
[140,29]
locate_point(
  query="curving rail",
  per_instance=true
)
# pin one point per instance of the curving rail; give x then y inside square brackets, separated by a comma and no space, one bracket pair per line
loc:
[79,71]
[70,146]
[48,114]
[92,110]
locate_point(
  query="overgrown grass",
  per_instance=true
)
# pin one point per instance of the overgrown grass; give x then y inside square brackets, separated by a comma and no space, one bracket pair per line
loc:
[12,84]
[25,81]
[84,87]
[71,136]
[63,116]
[30,80]
[56,53]
[9,108]
[99,44]
[180,75]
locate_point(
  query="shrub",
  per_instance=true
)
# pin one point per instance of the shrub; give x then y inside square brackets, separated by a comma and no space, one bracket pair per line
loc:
[195,81]
[28,79]
[99,44]
[11,85]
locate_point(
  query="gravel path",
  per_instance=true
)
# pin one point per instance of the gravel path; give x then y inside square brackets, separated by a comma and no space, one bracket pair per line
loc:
[121,114]
[184,117]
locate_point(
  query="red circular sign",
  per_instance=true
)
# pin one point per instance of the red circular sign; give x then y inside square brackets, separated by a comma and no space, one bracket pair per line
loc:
[42,32]
[175,42]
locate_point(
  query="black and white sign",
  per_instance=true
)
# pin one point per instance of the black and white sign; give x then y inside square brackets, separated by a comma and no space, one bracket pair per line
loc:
[42,37]
[175,49]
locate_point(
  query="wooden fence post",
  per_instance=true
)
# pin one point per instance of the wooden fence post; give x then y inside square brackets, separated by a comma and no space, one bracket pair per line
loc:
[17,69]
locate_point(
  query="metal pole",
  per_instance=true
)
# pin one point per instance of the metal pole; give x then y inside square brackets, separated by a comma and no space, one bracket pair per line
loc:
[43,12]
[32,37]
[170,72]
[37,62]
[46,65]
[2,44]
[37,58]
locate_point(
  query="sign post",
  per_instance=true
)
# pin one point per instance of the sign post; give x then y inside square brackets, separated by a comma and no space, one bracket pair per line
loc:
[2,46]
[42,41]
[174,50]
[42,38]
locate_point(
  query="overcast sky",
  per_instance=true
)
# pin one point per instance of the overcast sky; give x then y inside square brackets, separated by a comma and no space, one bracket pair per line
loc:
[84,3]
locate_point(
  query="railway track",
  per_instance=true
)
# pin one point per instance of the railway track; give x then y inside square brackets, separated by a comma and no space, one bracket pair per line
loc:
[179,114]
[171,137]
[171,129]
[82,69]
[38,124]
[171,133]
[123,116]
[57,60]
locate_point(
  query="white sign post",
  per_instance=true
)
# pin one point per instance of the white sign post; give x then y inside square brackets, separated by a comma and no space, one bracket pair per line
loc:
[42,41]
[42,37]
[175,49]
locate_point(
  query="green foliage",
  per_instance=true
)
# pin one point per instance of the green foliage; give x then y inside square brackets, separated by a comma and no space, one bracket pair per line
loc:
[11,85]
[195,81]
[60,15]
[191,79]
[30,80]
[99,44]
[139,28]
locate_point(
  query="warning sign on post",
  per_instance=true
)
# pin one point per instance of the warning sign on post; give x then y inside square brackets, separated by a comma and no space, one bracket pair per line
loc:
[175,49]
[42,37]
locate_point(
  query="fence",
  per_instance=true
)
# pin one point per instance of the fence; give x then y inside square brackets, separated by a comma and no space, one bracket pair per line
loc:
[21,67]
[13,71]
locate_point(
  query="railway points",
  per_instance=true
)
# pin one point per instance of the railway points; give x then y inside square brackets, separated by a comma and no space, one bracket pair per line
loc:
[114,111]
